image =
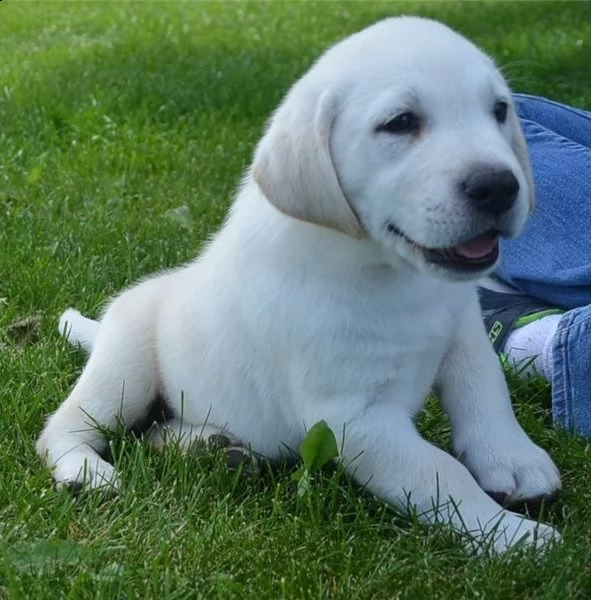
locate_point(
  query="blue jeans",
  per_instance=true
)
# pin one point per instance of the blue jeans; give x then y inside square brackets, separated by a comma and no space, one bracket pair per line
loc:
[551,259]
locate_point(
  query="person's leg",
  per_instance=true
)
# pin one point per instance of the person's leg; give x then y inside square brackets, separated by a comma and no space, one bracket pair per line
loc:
[556,347]
[571,376]
[551,259]
[567,121]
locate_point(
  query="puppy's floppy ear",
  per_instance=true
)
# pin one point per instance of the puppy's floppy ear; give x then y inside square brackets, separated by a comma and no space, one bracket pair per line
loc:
[520,148]
[293,165]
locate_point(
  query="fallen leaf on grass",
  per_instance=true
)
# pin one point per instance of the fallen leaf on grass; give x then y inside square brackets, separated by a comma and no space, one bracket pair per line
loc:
[26,331]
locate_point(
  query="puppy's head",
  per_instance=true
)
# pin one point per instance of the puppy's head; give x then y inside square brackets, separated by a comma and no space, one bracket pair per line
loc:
[404,132]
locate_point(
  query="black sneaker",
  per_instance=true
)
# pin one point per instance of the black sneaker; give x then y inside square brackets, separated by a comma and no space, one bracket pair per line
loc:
[502,312]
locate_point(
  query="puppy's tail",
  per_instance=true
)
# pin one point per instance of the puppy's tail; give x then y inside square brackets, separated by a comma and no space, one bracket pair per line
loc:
[78,329]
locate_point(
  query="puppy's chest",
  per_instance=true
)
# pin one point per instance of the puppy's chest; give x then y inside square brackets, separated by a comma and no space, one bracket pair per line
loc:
[404,331]
[393,337]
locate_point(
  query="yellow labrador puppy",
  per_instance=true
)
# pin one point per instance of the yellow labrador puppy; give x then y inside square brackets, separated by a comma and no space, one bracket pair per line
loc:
[342,286]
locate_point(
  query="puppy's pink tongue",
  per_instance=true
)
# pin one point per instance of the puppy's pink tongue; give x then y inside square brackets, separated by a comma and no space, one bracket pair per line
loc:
[478,247]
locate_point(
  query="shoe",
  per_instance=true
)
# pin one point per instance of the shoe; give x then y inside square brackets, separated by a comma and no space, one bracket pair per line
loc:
[502,312]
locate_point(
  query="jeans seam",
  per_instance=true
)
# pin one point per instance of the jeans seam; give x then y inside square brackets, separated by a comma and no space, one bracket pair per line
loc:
[561,106]
[571,325]
[558,137]
[564,394]
[559,384]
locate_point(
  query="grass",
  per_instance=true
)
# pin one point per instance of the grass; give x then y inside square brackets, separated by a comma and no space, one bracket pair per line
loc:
[124,128]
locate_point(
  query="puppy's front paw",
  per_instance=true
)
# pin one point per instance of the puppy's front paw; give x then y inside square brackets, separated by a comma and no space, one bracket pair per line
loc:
[81,473]
[515,471]
[239,457]
[511,530]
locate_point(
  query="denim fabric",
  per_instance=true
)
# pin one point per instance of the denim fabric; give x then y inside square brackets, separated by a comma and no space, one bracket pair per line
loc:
[567,121]
[551,259]
[571,377]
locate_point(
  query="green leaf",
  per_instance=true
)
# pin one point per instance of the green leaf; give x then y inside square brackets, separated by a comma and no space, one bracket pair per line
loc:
[304,483]
[318,447]
[298,474]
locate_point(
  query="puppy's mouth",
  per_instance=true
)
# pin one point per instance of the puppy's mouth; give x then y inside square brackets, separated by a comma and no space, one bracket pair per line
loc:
[471,256]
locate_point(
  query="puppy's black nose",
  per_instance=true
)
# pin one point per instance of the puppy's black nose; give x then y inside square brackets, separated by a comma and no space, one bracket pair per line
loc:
[491,192]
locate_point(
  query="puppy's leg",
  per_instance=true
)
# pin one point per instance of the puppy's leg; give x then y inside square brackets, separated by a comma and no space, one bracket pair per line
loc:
[486,435]
[383,450]
[78,329]
[175,431]
[117,384]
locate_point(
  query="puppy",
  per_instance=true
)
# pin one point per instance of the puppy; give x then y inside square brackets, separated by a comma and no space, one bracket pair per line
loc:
[342,287]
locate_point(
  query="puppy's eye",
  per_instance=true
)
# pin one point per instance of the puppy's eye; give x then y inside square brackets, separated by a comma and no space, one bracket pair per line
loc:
[404,123]
[500,111]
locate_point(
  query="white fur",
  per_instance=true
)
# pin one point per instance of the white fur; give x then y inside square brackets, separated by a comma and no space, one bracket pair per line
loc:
[304,307]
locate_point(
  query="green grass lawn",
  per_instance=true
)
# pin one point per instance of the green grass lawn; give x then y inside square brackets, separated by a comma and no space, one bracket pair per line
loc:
[124,128]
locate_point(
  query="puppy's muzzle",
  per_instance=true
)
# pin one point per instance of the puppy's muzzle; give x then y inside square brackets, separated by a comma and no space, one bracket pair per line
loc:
[491,192]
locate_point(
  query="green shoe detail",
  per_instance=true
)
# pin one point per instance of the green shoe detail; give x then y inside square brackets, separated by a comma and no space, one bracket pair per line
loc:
[527,319]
